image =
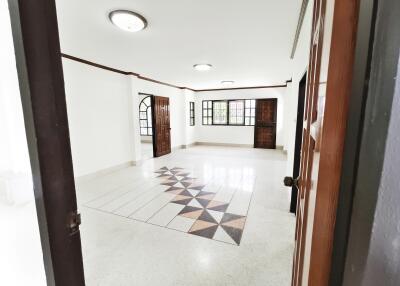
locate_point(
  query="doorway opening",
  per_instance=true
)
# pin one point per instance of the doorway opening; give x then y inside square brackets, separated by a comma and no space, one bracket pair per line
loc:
[146,125]
[299,136]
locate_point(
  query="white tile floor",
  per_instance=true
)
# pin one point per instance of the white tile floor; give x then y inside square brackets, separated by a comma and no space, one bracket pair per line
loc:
[119,248]
[146,150]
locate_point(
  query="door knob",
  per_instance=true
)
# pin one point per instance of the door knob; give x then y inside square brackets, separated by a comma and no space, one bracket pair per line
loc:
[290,182]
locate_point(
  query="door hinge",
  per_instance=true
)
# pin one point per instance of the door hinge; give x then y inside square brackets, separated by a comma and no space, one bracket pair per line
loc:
[73,222]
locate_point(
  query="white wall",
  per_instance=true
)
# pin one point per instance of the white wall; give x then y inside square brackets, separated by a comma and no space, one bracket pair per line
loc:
[97,104]
[103,115]
[190,131]
[299,67]
[237,134]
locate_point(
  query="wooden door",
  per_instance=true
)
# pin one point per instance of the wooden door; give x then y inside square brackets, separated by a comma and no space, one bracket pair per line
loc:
[328,88]
[161,125]
[265,124]
[309,156]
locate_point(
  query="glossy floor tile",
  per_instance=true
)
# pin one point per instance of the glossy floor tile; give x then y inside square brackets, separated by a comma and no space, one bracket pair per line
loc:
[198,216]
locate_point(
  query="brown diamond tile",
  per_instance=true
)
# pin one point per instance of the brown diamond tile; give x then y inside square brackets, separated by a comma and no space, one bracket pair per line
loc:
[234,233]
[174,190]
[200,224]
[229,217]
[191,212]
[182,200]
[237,223]
[205,216]
[203,202]
[217,206]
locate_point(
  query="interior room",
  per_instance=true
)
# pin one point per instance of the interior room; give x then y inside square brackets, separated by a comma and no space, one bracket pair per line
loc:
[179,142]
[205,198]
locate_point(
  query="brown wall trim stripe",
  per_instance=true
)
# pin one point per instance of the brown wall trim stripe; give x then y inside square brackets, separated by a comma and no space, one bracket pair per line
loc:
[163,83]
[247,87]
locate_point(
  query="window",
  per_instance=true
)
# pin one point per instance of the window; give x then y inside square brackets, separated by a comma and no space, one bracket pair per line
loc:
[145,116]
[249,112]
[191,108]
[207,112]
[220,112]
[229,112]
[236,112]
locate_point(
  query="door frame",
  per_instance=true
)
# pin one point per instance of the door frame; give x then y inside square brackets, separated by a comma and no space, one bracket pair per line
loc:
[40,75]
[372,93]
[152,119]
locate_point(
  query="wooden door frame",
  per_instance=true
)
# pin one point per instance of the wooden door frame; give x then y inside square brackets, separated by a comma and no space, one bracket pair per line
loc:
[372,93]
[40,75]
[255,119]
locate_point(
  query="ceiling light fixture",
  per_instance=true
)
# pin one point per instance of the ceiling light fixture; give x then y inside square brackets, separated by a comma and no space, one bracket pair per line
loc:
[227,82]
[128,20]
[202,67]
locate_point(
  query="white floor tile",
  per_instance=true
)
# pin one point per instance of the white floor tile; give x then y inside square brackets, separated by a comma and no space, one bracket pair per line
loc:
[166,214]
[131,207]
[151,208]
[181,223]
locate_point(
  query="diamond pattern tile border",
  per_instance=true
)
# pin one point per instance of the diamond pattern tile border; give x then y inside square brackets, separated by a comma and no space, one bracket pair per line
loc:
[209,215]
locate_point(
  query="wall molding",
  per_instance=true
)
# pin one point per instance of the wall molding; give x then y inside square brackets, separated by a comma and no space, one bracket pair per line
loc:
[100,66]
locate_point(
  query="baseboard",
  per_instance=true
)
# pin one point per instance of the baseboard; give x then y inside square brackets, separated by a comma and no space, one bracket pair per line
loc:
[278,147]
[224,144]
[146,141]
[105,171]
[189,145]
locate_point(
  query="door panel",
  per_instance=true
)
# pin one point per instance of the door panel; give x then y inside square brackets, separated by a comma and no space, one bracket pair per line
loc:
[309,154]
[327,92]
[265,125]
[162,130]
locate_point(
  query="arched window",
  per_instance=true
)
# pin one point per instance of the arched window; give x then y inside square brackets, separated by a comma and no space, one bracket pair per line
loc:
[145,116]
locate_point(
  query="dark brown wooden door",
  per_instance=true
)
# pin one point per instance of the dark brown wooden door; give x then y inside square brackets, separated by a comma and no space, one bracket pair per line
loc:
[265,125]
[161,125]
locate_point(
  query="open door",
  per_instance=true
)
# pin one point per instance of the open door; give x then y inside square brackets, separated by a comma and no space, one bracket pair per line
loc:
[299,136]
[161,126]
[265,124]
[329,78]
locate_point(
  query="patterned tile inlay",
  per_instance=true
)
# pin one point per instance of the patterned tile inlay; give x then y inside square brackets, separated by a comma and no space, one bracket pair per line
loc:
[210,218]
[176,200]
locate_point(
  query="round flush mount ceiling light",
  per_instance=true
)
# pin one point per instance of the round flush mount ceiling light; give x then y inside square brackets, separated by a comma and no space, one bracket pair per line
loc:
[227,82]
[202,67]
[128,20]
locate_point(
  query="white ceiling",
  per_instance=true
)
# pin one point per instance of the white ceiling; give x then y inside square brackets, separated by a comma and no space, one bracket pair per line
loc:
[248,41]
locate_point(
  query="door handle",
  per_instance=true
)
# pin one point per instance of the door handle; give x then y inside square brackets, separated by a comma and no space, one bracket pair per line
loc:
[290,182]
